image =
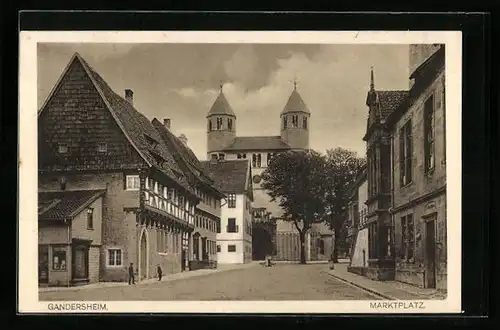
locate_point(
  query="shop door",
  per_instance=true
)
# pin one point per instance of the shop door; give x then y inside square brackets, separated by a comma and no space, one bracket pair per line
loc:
[80,262]
[430,247]
[43,263]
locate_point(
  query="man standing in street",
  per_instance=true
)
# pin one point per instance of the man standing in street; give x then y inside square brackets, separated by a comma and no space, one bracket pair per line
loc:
[131,278]
[158,269]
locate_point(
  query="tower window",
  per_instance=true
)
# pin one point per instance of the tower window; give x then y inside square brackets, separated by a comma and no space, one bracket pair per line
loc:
[219,123]
[210,125]
[284,122]
[295,121]
[304,122]
[230,124]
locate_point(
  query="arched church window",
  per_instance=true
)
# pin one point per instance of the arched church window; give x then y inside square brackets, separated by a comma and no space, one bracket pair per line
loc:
[230,124]
[304,122]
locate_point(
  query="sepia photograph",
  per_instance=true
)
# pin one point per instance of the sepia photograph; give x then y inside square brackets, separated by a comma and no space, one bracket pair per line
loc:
[251,171]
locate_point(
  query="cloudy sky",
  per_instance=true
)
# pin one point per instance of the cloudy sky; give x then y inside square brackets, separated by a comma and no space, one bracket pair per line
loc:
[181,81]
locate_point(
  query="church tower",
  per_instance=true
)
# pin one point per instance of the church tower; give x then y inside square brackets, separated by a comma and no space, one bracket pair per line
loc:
[295,122]
[221,125]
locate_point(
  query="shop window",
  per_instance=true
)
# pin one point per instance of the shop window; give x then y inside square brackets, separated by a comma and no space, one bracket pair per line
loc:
[59,258]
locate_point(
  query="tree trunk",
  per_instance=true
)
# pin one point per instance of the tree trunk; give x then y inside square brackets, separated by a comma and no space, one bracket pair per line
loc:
[302,237]
[335,256]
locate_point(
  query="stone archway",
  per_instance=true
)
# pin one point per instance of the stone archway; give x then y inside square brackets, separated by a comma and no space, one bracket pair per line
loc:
[143,264]
[262,243]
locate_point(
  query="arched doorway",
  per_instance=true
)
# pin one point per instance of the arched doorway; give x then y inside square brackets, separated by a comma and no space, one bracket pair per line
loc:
[143,257]
[262,243]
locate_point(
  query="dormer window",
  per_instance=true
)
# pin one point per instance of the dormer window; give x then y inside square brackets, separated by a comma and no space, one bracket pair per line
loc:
[62,148]
[102,147]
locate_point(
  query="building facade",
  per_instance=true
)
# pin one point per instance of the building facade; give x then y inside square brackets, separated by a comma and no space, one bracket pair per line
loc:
[208,210]
[224,144]
[378,153]
[90,138]
[69,237]
[419,173]
[234,235]
[358,230]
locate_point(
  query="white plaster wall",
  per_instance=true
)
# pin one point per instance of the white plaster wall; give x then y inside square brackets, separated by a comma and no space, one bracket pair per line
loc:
[361,244]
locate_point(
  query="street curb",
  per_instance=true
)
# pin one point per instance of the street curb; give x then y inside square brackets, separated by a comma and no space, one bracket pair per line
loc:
[374,292]
[146,282]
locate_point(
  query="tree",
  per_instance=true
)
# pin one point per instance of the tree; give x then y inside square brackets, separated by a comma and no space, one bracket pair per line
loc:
[342,166]
[296,181]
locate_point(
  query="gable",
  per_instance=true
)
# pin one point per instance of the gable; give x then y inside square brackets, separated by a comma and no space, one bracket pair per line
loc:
[76,115]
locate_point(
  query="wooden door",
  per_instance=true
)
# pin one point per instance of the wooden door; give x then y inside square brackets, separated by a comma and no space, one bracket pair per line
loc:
[430,248]
[80,262]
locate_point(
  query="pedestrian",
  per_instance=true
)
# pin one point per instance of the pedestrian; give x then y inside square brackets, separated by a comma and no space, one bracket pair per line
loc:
[131,277]
[158,269]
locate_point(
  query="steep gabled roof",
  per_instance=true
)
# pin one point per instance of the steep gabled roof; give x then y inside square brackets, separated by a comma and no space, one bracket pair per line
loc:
[184,155]
[257,143]
[135,126]
[221,107]
[295,103]
[65,205]
[230,176]
[390,101]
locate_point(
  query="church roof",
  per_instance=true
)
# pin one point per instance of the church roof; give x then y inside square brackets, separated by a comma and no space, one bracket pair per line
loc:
[230,176]
[295,103]
[257,143]
[221,107]
[390,101]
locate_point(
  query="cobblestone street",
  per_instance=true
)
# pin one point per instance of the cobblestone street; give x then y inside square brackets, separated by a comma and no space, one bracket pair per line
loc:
[281,282]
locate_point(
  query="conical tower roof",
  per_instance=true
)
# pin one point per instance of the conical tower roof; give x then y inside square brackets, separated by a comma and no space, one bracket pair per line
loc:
[295,103]
[221,107]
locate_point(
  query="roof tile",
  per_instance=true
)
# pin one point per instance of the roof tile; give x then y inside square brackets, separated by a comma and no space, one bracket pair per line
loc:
[229,175]
[62,205]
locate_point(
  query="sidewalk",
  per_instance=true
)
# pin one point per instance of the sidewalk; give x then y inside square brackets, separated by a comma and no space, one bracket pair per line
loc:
[391,290]
[166,278]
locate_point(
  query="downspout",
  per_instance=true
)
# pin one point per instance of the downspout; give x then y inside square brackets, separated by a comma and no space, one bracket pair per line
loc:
[69,250]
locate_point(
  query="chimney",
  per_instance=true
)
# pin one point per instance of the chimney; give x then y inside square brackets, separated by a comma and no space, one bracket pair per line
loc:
[183,139]
[166,122]
[129,96]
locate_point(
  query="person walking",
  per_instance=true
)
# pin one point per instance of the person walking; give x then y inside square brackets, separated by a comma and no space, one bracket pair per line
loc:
[159,271]
[131,277]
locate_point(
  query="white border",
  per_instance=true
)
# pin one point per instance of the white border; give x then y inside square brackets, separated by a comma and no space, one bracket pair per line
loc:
[28,238]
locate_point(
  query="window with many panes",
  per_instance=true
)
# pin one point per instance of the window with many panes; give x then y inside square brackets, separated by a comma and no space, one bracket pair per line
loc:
[231,201]
[114,257]
[59,258]
[132,182]
[231,248]
[405,154]
[231,225]
[429,133]
[407,238]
